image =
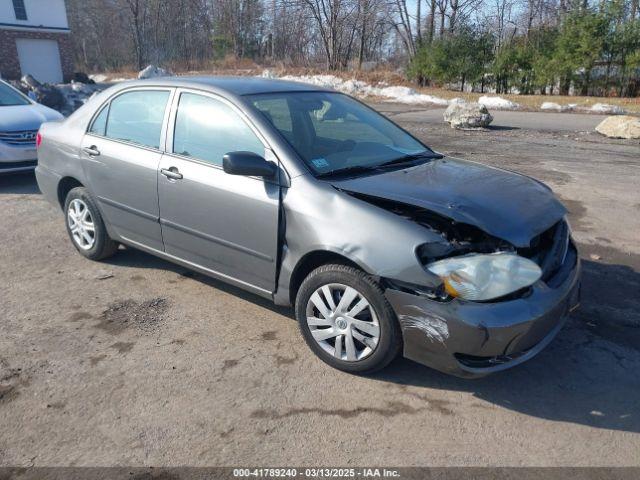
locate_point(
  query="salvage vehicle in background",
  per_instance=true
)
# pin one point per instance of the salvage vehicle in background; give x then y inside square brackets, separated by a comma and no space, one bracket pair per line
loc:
[20,119]
[310,198]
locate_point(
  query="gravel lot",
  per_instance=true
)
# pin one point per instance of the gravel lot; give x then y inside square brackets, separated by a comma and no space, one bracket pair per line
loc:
[138,362]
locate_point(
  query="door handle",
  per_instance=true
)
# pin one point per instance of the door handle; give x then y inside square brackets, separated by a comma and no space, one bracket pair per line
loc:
[92,151]
[171,172]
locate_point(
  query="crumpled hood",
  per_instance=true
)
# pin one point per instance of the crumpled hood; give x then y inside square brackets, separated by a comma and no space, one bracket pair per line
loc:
[16,118]
[506,205]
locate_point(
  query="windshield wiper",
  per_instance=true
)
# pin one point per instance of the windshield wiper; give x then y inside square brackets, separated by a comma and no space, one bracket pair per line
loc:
[411,158]
[355,169]
[348,170]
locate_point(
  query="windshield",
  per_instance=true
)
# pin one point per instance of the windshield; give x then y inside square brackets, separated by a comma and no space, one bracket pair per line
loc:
[334,133]
[10,97]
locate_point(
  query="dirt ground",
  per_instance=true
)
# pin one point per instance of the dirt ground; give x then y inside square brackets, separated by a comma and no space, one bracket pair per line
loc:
[136,361]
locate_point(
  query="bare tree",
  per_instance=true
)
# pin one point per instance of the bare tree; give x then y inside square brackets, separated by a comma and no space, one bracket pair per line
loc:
[336,22]
[501,19]
[459,12]
[402,22]
[442,11]
[432,19]
[364,8]
[137,10]
[187,34]
[418,21]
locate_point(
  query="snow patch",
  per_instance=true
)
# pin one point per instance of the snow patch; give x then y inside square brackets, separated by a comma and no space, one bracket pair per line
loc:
[99,77]
[393,93]
[556,107]
[551,106]
[409,96]
[79,87]
[606,108]
[268,74]
[397,93]
[153,71]
[498,102]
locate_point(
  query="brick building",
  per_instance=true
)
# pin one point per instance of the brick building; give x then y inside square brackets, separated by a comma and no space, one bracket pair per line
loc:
[35,39]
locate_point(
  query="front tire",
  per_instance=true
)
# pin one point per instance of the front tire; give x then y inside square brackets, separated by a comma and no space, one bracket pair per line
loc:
[346,320]
[85,226]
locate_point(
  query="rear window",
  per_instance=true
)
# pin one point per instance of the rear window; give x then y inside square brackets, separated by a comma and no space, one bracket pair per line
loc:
[137,117]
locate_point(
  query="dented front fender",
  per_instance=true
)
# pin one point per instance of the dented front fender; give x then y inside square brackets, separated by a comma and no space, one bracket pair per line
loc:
[381,243]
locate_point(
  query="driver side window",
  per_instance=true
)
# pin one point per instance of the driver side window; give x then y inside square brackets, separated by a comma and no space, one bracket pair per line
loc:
[206,129]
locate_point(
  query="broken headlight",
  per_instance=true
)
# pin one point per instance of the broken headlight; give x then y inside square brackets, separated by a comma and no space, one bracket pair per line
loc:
[485,276]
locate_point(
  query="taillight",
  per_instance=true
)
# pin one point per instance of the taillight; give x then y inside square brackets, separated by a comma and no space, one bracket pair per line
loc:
[38,140]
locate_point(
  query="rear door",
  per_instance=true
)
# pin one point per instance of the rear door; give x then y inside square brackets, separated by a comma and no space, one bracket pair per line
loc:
[122,153]
[227,224]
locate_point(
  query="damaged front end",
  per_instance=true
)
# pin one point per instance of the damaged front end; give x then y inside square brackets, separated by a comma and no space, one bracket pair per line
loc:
[464,337]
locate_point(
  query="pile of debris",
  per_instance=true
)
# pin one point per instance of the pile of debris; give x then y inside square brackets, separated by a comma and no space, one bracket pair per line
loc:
[68,97]
[65,98]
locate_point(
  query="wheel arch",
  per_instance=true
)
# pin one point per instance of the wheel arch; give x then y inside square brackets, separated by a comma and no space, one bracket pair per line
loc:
[65,185]
[312,260]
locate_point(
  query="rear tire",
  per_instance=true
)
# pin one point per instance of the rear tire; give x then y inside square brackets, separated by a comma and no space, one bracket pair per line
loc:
[346,320]
[85,226]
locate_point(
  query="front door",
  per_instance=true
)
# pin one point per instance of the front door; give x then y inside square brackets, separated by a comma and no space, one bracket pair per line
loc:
[122,154]
[227,224]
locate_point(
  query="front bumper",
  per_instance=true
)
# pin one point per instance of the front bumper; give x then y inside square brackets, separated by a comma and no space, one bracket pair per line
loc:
[15,159]
[473,339]
[17,167]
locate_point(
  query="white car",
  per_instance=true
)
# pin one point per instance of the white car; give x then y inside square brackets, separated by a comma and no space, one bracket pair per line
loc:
[20,119]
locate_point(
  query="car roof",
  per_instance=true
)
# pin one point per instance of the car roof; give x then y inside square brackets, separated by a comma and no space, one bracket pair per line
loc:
[233,85]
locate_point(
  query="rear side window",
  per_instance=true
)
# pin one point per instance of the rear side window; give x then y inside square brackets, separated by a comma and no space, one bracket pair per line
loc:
[207,129]
[99,124]
[137,117]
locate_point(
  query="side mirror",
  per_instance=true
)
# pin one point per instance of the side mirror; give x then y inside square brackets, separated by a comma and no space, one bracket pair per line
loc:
[248,164]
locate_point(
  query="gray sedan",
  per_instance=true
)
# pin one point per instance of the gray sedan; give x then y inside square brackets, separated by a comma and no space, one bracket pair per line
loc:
[310,198]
